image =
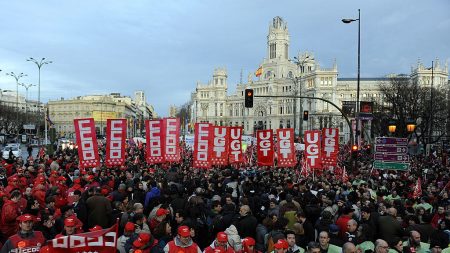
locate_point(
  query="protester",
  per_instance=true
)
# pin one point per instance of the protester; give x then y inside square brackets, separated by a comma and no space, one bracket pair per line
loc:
[26,238]
[182,242]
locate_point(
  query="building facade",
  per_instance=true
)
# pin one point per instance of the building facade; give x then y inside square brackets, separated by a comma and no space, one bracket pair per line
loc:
[212,102]
[100,107]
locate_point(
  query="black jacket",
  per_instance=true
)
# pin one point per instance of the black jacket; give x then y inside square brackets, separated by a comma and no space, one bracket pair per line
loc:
[246,226]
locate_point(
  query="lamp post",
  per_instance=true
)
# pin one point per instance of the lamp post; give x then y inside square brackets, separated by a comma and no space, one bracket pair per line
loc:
[296,81]
[39,64]
[17,77]
[347,21]
[26,86]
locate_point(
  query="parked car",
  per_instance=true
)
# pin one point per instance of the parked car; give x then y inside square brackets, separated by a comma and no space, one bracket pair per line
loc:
[15,148]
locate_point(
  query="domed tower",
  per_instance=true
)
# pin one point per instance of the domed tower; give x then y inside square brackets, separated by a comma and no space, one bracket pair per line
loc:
[278,40]
[220,77]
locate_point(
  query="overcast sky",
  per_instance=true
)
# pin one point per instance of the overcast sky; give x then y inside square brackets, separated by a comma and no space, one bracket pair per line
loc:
[164,47]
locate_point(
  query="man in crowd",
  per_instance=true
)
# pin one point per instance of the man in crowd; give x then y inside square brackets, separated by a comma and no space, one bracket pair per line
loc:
[182,242]
[325,246]
[26,238]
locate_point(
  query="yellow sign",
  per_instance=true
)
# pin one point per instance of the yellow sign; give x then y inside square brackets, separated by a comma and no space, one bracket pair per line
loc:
[103,116]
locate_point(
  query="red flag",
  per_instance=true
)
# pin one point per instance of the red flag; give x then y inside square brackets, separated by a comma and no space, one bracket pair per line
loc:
[41,153]
[312,149]
[418,189]
[344,175]
[265,149]
[171,133]
[305,168]
[202,145]
[87,142]
[101,241]
[235,154]
[220,145]
[285,148]
[116,133]
[155,143]
[330,146]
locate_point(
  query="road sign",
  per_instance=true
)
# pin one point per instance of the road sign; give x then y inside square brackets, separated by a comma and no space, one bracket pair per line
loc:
[391,141]
[391,157]
[390,166]
[391,149]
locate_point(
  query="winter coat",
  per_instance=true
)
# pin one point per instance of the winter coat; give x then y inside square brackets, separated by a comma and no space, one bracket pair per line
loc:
[233,238]
[246,226]
[8,223]
[210,248]
[99,210]
[176,246]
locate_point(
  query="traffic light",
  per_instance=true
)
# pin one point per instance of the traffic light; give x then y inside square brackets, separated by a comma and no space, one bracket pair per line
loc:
[248,98]
[305,115]
[354,151]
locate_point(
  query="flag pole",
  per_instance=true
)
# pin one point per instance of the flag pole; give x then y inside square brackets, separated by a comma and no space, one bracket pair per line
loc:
[45,127]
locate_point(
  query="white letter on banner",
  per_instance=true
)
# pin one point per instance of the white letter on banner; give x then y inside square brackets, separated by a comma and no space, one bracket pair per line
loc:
[285,144]
[329,141]
[202,144]
[235,147]
[264,144]
[171,137]
[219,141]
[87,143]
[155,141]
[110,239]
[312,149]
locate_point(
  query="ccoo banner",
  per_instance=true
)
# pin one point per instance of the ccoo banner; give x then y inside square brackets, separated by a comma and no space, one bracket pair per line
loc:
[116,133]
[265,149]
[330,146]
[87,142]
[220,142]
[286,148]
[202,145]
[312,149]
[155,142]
[171,135]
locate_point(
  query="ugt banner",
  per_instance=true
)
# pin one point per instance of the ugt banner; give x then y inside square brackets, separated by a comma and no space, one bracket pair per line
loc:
[202,145]
[265,147]
[235,155]
[87,142]
[116,134]
[220,141]
[330,146]
[312,149]
[286,148]
[101,241]
[155,142]
[171,135]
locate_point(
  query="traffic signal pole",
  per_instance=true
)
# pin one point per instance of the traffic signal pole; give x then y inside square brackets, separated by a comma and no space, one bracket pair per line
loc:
[316,98]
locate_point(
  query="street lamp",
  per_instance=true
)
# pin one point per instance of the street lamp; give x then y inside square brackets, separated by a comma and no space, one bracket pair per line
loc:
[26,86]
[392,126]
[348,21]
[301,65]
[410,125]
[39,64]
[17,77]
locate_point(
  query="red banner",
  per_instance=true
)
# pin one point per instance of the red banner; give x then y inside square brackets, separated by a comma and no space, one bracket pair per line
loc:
[101,241]
[265,149]
[155,142]
[87,142]
[312,149]
[286,148]
[202,145]
[220,141]
[171,132]
[235,155]
[330,146]
[116,134]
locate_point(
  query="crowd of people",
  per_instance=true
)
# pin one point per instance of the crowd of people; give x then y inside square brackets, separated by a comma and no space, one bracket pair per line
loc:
[244,208]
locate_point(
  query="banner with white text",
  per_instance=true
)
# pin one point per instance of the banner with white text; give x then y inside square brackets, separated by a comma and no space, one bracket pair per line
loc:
[116,134]
[220,140]
[236,155]
[286,148]
[330,146]
[312,149]
[87,142]
[154,141]
[265,148]
[202,145]
[171,135]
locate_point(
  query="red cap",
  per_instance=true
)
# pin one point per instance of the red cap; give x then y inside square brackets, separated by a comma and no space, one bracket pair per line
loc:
[130,226]
[14,178]
[184,231]
[77,181]
[54,172]
[90,177]
[104,191]
[162,211]
[95,228]
[70,222]
[25,217]
[143,239]
[222,237]
[281,244]
[248,241]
